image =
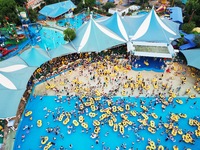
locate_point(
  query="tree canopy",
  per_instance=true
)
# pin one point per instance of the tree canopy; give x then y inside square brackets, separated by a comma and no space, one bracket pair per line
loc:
[8,12]
[188,27]
[69,34]
[192,11]
[197,39]
[108,5]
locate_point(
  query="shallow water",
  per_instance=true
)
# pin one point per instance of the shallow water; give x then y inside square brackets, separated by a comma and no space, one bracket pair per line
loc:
[83,140]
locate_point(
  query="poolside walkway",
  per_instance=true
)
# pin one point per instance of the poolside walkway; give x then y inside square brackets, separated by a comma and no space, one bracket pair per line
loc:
[9,141]
[54,25]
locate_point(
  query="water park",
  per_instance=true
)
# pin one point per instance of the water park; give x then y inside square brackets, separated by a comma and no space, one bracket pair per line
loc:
[116,86]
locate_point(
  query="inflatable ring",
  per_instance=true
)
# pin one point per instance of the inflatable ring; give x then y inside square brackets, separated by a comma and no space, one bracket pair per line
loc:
[75,122]
[197,133]
[44,140]
[193,75]
[192,96]
[81,119]
[152,123]
[66,121]
[148,147]
[166,125]
[133,113]
[179,101]
[154,115]
[81,106]
[145,116]
[170,99]
[160,147]
[92,107]
[84,125]
[127,106]
[114,108]
[115,127]
[152,143]
[175,147]
[39,123]
[146,63]
[92,115]
[28,113]
[96,123]
[120,108]
[191,122]
[110,122]
[143,107]
[180,132]
[96,130]
[123,93]
[61,117]
[183,115]
[114,118]
[121,129]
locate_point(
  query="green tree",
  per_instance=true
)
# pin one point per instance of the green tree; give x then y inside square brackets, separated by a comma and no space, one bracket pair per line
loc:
[8,9]
[108,5]
[32,14]
[188,27]
[192,11]
[69,34]
[89,3]
[20,2]
[197,39]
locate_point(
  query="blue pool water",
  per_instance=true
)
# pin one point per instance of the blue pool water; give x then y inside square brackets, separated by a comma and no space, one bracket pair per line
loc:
[77,21]
[50,38]
[143,12]
[154,64]
[80,139]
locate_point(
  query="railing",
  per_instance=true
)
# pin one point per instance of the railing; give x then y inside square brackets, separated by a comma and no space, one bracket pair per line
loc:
[20,48]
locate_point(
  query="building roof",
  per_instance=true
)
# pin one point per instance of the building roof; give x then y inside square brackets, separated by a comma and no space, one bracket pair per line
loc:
[176,14]
[57,9]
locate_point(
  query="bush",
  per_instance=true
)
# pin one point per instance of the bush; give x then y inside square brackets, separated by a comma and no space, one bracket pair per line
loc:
[188,27]
[197,39]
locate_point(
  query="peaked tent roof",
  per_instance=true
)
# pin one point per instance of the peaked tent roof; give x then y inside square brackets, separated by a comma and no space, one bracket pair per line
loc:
[9,102]
[14,74]
[132,23]
[62,50]
[154,25]
[93,37]
[115,24]
[35,56]
[57,9]
[192,57]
